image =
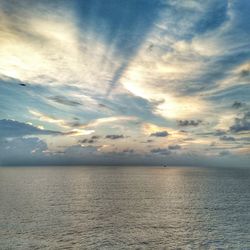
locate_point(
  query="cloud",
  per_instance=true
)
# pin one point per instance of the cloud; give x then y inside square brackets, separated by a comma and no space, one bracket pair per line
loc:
[95,137]
[128,151]
[185,123]
[65,101]
[147,141]
[130,105]
[160,134]
[174,147]
[241,124]
[114,137]
[238,105]
[60,51]
[63,124]
[77,128]
[87,141]
[92,139]
[244,70]
[49,118]
[227,138]
[11,128]
[104,120]
[161,151]
[19,151]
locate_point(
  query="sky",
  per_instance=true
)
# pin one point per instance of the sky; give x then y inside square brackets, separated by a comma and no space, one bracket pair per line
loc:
[125,82]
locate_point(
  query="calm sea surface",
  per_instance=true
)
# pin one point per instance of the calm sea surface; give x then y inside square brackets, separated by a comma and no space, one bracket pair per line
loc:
[124,208]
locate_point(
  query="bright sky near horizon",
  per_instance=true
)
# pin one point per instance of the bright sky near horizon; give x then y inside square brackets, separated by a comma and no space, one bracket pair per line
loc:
[125,82]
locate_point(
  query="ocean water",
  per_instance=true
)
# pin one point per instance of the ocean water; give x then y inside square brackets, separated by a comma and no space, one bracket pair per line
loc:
[124,208]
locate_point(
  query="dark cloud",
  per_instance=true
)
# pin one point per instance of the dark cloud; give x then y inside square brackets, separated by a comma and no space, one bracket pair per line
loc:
[150,47]
[102,105]
[185,123]
[241,124]
[59,152]
[114,137]
[128,151]
[227,138]
[160,134]
[238,105]
[10,128]
[162,151]
[87,141]
[90,140]
[174,147]
[95,137]
[63,100]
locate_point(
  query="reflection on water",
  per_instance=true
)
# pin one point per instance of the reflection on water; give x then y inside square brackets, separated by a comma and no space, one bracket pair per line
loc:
[124,208]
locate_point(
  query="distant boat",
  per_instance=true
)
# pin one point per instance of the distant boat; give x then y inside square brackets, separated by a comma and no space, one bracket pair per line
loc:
[165,166]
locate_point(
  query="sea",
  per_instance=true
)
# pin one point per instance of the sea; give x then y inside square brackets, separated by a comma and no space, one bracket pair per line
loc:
[122,207]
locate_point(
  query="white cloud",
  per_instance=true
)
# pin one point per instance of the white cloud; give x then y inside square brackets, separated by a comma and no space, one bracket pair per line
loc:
[46,47]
